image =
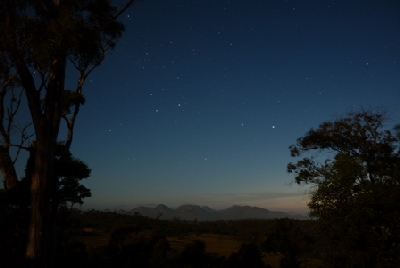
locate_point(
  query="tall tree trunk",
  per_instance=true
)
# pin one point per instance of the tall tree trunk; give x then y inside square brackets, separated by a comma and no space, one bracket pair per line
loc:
[40,209]
[40,234]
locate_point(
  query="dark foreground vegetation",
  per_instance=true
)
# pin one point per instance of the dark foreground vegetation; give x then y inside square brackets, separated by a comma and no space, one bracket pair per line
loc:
[353,166]
[110,239]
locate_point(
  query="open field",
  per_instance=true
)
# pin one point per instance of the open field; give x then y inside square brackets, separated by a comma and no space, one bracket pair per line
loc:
[218,245]
[223,245]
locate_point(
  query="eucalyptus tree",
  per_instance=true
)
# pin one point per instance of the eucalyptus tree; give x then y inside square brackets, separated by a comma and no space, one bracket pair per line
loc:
[355,174]
[39,39]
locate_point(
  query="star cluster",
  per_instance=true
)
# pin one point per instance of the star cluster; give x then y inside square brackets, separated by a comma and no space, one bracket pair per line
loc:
[203,98]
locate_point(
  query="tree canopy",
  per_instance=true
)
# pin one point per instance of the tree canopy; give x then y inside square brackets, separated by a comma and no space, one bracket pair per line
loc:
[356,189]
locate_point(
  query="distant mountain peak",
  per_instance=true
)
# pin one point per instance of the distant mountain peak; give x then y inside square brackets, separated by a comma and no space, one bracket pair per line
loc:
[208,209]
[205,213]
[189,208]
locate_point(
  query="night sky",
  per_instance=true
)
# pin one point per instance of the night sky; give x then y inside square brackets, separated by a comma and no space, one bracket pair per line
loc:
[200,100]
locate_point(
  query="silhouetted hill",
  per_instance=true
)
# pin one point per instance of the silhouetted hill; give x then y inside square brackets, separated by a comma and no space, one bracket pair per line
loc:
[247,212]
[208,209]
[165,212]
[191,212]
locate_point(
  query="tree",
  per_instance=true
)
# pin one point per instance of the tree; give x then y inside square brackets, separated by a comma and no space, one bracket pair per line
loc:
[356,189]
[68,172]
[285,237]
[39,39]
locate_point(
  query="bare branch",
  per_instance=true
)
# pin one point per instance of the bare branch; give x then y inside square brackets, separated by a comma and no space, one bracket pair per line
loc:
[123,9]
[24,138]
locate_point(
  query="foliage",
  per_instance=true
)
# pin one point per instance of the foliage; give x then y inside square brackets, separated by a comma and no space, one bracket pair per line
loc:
[68,172]
[285,237]
[356,190]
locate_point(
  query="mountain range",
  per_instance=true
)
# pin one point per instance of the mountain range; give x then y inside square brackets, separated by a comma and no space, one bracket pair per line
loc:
[204,213]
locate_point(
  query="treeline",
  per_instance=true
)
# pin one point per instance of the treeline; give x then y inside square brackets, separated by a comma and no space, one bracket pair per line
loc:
[110,239]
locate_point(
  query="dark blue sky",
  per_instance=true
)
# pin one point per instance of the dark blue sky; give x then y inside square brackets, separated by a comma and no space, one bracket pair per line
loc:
[201,99]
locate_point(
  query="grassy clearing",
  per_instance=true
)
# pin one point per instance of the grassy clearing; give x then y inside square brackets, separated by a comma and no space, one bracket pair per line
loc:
[223,245]
[272,259]
[94,240]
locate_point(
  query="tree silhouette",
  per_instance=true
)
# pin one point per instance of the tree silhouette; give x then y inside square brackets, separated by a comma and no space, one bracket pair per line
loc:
[39,38]
[68,172]
[356,193]
[285,237]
